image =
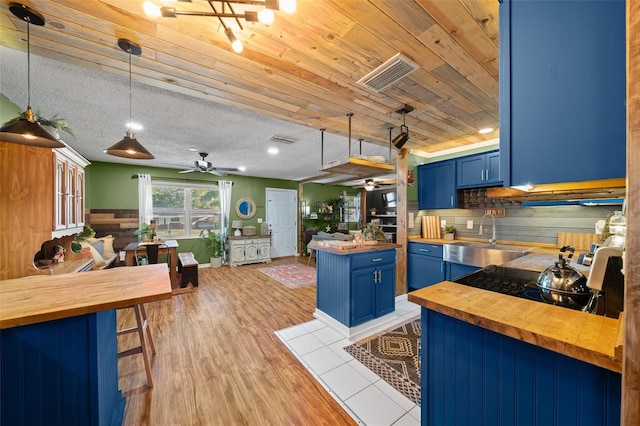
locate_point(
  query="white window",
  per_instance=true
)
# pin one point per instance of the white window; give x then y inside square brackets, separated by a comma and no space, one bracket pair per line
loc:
[184,210]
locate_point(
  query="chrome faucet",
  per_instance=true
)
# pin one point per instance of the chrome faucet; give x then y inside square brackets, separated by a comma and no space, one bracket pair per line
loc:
[493,239]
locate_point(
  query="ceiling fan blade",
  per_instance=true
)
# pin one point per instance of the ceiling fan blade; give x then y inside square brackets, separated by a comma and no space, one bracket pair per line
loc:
[225,169]
[217,173]
[186,171]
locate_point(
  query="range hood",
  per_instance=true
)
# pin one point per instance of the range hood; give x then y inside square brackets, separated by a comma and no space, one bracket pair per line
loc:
[589,193]
[591,202]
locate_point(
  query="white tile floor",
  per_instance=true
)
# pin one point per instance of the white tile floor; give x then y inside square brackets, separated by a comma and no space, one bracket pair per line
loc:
[365,396]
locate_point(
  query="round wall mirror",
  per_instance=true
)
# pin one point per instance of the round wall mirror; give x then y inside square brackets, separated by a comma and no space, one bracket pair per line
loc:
[245,208]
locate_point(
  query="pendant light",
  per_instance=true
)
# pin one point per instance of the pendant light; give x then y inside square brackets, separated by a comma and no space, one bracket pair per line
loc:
[129,147]
[25,130]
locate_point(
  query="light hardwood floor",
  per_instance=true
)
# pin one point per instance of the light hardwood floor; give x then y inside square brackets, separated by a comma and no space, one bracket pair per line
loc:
[219,362]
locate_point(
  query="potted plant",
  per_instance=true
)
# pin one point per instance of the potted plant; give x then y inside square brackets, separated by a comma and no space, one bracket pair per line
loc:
[373,211]
[372,233]
[214,244]
[449,232]
[54,123]
[144,232]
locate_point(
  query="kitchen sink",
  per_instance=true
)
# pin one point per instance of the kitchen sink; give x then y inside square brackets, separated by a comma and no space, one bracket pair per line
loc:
[482,254]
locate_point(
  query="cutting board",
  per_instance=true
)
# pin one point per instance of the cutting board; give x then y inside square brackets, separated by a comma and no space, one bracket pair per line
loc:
[431,227]
[578,241]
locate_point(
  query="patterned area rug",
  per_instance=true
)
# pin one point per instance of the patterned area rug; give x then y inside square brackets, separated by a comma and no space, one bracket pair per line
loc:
[393,355]
[293,276]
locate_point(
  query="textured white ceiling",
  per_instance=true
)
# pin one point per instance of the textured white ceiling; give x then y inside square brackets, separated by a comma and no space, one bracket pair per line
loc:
[96,106]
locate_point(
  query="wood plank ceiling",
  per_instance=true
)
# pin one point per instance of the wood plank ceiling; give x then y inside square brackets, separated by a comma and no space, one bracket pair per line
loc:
[303,68]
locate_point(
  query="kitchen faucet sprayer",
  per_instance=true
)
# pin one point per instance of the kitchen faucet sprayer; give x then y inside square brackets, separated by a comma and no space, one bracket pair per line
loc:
[493,239]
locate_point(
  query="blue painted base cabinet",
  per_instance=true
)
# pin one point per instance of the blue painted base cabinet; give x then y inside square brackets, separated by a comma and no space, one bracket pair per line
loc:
[425,266]
[62,372]
[473,376]
[356,288]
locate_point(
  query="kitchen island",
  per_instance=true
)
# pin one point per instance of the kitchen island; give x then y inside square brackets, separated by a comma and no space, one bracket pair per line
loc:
[489,358]
[355,288]
[59,356]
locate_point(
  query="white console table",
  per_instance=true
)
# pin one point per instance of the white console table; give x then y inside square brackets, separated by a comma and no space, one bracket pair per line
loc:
[244,249]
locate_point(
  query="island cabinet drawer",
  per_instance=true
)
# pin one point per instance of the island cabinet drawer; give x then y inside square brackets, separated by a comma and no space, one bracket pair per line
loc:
[373,259]
[433,250]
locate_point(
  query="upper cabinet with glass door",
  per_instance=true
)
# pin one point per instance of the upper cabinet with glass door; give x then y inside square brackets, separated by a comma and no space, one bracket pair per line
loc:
[69,192]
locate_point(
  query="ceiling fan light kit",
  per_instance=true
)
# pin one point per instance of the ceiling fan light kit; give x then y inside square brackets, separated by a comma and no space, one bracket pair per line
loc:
[129,147]
[24,129]
[224,10]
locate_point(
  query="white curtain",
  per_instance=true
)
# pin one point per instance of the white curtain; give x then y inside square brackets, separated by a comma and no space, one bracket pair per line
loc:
[145,203]
[224,186]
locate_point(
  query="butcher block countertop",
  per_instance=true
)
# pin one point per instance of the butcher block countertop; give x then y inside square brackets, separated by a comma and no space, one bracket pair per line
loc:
[357,249]
[590,338]
[40,298]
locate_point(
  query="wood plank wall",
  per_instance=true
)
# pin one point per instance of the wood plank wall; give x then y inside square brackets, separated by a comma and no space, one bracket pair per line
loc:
[532,224]
[120,223]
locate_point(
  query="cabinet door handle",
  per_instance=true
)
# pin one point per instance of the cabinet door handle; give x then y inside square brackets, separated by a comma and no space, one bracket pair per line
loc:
[375,277]
[441,267]
[487,174]
[452,200]
[377,259]
[379,276]
[481,175]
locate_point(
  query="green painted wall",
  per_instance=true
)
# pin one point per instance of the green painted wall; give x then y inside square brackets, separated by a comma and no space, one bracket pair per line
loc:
[111,186]
[8,109]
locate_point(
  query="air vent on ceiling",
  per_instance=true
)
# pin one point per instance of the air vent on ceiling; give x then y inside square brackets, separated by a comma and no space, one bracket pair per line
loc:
[281,139]
[394,69]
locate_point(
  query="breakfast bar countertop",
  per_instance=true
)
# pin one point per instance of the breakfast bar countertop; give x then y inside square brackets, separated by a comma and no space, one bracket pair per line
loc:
[357,249]
[587,337]
[40,298]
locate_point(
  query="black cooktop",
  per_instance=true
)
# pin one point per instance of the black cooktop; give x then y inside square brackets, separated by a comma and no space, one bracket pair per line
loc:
[511,281]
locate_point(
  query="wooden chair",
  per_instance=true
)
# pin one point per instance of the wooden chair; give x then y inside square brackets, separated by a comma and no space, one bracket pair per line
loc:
[142,324]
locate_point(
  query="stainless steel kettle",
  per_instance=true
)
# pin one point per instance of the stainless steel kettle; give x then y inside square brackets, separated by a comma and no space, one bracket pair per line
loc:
[564,285]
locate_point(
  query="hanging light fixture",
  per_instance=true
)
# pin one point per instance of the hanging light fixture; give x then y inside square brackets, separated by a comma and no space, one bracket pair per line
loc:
[25,130]
[224,10]
[129,147]
[403,137]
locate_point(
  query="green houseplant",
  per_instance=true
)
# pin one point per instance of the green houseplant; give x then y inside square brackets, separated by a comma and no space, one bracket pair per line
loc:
[144,232]
[214,244]
[372,233]
[54,122]
[449,232]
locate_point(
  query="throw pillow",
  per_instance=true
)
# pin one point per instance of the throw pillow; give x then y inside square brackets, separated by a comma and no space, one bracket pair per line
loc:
[97,259]
[109,252]
[99,246]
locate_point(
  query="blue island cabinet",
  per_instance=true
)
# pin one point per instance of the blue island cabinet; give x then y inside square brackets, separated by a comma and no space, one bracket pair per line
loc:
[474,376]
[61,372]
[356,288]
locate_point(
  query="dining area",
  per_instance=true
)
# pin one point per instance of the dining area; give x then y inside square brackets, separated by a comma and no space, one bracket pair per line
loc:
[150,252]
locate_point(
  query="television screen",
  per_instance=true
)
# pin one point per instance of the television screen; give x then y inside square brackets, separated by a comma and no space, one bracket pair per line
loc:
[389,199]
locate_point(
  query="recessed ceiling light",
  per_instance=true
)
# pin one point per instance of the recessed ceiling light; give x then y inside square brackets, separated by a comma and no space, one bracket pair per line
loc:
[273,151]
[485,130]
[135,126]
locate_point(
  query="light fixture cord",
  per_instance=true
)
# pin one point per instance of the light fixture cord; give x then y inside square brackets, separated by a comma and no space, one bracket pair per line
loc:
[28,62]
[130,107]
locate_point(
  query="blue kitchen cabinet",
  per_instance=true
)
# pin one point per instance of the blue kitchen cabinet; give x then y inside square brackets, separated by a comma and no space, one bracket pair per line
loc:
[475,171]
[562,105]
[456,270]
[471,375]
[425,265]
[437,185]
[355,288]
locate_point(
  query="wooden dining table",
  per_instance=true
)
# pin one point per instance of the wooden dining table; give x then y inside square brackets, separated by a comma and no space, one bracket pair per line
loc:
[139,248]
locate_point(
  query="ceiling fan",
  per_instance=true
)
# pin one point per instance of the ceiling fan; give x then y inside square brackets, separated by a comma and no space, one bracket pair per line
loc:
[371,184]
[204,166]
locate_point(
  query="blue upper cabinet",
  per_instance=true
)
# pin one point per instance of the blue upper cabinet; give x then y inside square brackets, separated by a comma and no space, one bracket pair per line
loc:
[562,91]
[437,185]
[479,170]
